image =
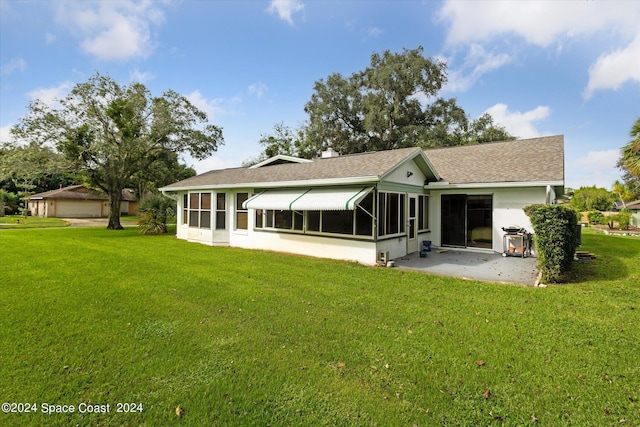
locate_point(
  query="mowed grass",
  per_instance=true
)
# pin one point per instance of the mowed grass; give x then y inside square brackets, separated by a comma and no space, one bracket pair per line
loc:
[19,221]
[249,338]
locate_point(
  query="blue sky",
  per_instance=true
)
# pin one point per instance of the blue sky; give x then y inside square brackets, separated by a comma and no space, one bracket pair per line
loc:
[539,67]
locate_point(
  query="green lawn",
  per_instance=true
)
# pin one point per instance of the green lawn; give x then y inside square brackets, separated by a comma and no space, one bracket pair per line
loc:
[242,338]
[19,221]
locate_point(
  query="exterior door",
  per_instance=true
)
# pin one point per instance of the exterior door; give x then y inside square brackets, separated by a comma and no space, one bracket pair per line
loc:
[467,220]
[454,220]
[412,235]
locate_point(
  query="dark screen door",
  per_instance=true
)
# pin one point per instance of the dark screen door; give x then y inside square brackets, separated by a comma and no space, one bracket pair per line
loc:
[454,208]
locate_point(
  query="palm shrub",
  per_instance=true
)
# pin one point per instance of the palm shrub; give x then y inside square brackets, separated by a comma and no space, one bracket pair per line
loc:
[623,218]
[153,213]
[557,238]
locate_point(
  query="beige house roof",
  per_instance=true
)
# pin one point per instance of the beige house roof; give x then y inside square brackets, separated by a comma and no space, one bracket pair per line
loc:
[525,160]
[522,160]
[80,192]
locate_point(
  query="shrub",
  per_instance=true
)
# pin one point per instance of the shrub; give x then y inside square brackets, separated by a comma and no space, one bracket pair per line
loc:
[623,218]
[592,198]
[596,217]
[10,201]
[556,239]
[154,211]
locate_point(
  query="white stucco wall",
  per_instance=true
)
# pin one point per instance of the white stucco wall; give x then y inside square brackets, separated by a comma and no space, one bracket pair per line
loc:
[303,244]
[507,209]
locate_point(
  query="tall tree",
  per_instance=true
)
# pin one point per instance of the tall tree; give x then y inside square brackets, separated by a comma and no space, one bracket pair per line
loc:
[630,160]
[622,192]
[391,86]
[165,170]
[29,167]
[113,131]
[391,104]
[592,198]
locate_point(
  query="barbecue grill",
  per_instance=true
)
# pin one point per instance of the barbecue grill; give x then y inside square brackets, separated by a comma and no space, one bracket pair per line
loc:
[516,241]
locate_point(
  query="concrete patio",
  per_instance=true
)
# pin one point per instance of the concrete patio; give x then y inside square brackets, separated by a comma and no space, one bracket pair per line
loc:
[471,264]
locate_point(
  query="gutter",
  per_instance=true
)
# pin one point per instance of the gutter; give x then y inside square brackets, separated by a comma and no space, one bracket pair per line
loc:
[515,184]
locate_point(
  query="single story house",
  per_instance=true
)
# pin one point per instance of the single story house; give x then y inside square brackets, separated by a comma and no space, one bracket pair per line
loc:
[78,201]
[634,210]
[373,206]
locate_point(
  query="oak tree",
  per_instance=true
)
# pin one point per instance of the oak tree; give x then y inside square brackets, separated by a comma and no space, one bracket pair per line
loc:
[393,103]
[112,132]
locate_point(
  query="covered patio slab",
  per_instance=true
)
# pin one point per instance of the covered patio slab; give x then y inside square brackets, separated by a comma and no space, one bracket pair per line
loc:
[470,264]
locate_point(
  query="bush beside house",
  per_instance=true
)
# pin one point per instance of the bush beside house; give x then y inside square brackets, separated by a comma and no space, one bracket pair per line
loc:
[557,238]
[154,212]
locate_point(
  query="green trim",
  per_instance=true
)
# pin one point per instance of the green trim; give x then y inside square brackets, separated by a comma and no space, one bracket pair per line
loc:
[355,196]
[297,198]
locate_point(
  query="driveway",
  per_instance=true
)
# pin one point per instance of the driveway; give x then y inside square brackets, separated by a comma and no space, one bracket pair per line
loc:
[476,265]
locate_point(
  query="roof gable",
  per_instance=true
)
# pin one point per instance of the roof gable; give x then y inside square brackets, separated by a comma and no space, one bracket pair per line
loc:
[278,160]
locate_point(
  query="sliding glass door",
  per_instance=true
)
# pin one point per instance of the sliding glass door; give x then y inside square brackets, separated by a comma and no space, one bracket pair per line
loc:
[467,220]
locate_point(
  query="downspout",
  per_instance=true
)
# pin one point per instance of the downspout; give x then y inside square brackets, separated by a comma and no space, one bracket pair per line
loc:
[548,197]
[165,194]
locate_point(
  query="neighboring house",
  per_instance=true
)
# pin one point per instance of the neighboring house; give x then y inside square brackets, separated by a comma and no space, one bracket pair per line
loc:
[634,209]
[78,201]
[362,206]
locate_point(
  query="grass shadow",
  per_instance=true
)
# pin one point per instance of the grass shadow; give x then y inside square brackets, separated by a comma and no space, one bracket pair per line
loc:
[608,264]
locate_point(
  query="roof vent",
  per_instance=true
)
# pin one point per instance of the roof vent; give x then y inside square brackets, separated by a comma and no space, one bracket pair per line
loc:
[329,153]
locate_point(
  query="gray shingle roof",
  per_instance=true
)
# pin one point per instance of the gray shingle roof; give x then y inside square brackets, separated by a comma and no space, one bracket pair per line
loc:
[537,159]
[374,164]
[80,192]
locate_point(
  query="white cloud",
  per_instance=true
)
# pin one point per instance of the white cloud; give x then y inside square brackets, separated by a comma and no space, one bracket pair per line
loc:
[5,133]
[614,69]
[594,168]
[539,22]
[548,23]
[516,123]
[211,107]
[140,76]
[258,89]
[16,64]
[286,8]
[373,32]
[112,30]
[49,96]
[606,159]
[477,63]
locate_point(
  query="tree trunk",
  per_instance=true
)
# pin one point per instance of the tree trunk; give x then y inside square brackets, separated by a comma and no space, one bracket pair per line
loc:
[115,197]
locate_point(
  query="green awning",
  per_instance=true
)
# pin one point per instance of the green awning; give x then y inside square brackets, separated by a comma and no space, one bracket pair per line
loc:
[309,199]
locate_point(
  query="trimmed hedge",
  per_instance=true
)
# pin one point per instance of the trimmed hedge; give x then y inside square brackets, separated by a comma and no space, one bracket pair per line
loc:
[556,239]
